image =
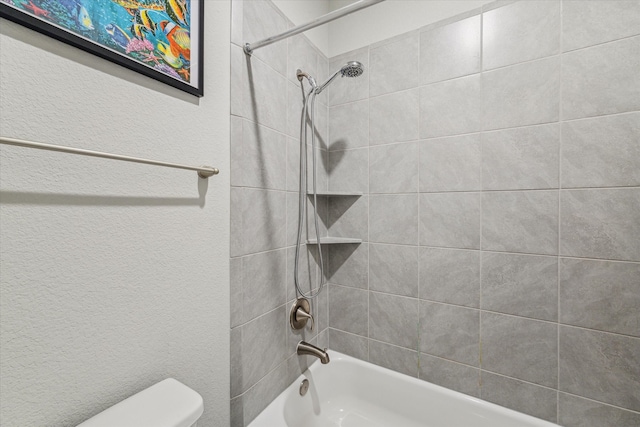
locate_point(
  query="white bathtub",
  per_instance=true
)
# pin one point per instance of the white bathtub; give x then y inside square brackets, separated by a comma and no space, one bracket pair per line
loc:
[351,393]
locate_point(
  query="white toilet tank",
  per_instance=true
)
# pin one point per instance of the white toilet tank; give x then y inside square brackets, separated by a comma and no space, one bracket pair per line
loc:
[168,403]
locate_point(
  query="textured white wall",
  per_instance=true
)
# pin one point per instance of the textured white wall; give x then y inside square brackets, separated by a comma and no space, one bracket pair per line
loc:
[113,275]
[389,18]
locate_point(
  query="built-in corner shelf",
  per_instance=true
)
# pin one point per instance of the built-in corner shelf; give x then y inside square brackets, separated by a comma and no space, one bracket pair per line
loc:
[328,193]
[334,241]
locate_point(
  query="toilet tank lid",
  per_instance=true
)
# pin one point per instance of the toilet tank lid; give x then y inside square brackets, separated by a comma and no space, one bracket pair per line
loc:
[168,403]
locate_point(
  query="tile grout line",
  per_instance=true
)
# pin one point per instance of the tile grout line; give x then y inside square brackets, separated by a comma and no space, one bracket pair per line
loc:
[459,135]
[420,173]
[481,211]
[560,121]
[368,206]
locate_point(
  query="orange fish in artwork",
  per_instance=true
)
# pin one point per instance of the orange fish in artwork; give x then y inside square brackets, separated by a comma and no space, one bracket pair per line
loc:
[179,39]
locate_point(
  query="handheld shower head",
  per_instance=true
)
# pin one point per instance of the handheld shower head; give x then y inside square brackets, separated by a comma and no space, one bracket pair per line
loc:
[350,69]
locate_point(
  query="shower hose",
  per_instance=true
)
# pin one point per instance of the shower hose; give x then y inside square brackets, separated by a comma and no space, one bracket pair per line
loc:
[302,205]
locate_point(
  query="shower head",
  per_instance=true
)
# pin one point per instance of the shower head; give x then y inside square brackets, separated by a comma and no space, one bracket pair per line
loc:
[350,69]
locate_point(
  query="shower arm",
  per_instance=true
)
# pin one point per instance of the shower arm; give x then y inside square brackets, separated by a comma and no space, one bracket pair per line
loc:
[327,83]
[331,16]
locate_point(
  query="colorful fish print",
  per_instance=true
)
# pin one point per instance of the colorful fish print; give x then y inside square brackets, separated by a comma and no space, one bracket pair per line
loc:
[142,17]
[141,4]
[138,31]
[83,19]
[155,33]
[168,56]
[37,11]
[179,39]
[177,11]
[118,35]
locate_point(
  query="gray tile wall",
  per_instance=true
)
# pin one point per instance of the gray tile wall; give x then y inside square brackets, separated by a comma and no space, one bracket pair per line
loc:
[266,107]
[499,154]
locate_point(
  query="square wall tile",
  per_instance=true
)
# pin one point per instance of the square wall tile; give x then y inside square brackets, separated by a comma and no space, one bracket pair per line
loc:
[323,73]
[237,18]
[519,32]
[395,65]
[540,402]
[256,348]
[348,265]
[235,285]
[520,95]
[601,151]
[520,221]
[394,168]
[238,77]
[263,220]
[394,269]
[602,223]
[302,55]
[236,232]
[261,158]
[260,395]
[521,159]
[395,358]
[450,220]
[344,90]
[600,366]
[349,344]
[598,21]
[602,295]
[450,275]
[578,412]
[261,20]
[450,51]
[452,375]
[601,80]
[394,117]
[293,164]
[264,95]
[520,348]
[393,219]
[294,111]
[348,217]
[452,107]
[349,309]
[308,274]
[349,125]
[450,164]
[308,228]
[522,285]
[263,282]
[393,320]
[349,170]
[450,332]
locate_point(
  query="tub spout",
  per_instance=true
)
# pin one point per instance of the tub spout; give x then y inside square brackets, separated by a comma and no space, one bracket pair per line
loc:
[304,348]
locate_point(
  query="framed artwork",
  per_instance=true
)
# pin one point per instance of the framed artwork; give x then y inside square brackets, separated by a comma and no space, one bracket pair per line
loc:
[162,39]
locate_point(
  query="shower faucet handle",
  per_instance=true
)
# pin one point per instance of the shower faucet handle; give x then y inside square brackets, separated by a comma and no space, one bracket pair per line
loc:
[300,313]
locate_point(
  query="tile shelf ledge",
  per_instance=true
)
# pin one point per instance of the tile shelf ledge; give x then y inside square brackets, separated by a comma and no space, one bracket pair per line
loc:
[334,241]
[329,193]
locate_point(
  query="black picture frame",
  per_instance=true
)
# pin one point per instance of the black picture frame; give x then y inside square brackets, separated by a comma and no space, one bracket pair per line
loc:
[59,33]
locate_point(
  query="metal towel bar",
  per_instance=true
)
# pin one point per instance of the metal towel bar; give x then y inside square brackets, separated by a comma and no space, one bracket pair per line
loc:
[203,171]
